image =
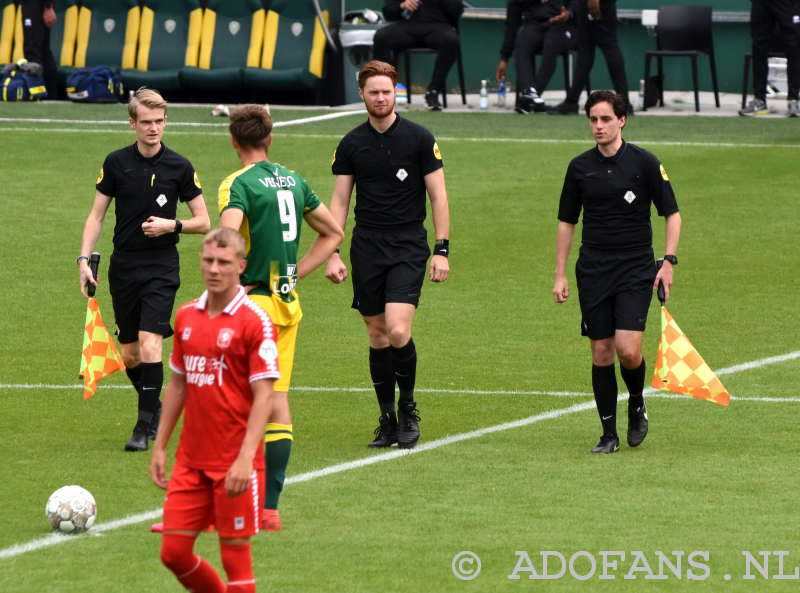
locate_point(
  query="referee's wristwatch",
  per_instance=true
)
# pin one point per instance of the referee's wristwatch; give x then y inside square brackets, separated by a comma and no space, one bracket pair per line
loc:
[82,257]
[178,227]
[671,259]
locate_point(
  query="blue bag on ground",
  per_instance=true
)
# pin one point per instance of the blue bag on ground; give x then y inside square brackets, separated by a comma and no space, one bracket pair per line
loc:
[97,84]
[19,86]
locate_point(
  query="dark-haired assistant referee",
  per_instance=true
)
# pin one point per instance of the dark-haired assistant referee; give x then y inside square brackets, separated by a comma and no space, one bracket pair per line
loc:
[146,180]
[615,184]
[393,163]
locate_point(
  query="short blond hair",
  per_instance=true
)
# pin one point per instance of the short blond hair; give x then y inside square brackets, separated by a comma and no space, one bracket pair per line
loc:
[224,236]
[148,98]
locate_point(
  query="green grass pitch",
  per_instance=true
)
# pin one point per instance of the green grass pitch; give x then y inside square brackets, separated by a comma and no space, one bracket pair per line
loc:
[707,479]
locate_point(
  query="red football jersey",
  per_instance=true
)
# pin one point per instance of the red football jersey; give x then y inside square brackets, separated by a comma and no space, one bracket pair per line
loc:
[220,357]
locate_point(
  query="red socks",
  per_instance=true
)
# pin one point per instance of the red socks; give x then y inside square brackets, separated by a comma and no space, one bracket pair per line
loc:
[194,573]
[239,568]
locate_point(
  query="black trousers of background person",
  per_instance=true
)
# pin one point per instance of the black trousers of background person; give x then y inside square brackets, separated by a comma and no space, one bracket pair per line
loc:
[603,34]
[764,16]
[549,40]
[37,43]
[404,35]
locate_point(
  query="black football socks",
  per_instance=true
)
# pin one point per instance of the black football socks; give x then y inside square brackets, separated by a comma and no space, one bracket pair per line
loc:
[382,372]
[135,376]
[404,360]
[634,380]
[604,384]
[152,378]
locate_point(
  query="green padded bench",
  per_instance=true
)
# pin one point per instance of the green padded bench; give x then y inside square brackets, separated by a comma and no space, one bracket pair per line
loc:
[233,33]
[169,39]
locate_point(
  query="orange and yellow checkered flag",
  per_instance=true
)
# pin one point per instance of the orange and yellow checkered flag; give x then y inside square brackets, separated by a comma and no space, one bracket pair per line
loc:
[100,356]
[680,369]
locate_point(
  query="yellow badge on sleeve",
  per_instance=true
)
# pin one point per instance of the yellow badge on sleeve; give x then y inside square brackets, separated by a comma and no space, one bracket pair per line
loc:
[664,173]
[99,179]
[333,160]
[197,181]
[436,151]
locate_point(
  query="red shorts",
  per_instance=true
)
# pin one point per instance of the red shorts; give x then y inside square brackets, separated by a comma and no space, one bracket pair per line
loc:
[197,498]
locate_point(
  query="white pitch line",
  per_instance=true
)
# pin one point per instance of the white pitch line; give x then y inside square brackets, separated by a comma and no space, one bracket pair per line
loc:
[746,366]
[53,539]
[427,446]
[441,139]
[344,389]
[60,538]
[125,122]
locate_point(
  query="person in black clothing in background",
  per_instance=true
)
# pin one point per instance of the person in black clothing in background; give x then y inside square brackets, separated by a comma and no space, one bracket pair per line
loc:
[38,16]
[532,27]
[422,23]
[597,27]
[615,184]
[764,16]
[146,180]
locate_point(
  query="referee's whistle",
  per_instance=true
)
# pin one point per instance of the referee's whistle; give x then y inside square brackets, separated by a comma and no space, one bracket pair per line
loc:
[661,294]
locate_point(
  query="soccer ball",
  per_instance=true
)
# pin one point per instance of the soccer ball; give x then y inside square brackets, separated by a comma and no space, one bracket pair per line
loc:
[71,509]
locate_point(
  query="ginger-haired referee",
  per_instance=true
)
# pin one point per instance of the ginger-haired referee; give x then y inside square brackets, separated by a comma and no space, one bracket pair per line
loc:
[146,180]
[392,162]
[615,183]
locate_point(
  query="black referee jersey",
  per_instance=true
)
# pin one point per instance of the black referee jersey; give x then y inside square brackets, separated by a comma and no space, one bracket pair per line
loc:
[615,194]
[143,187]
[389,171]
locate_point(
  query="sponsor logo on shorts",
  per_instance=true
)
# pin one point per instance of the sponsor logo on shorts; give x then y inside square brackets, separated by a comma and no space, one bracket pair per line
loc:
[224,338]
[238,523]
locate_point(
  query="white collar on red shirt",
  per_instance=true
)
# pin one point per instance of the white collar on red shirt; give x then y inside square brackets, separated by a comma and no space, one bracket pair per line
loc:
[231,307]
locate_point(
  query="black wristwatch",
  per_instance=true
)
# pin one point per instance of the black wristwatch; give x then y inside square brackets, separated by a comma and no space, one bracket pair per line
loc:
[671,259]
[178,226]
[80,257]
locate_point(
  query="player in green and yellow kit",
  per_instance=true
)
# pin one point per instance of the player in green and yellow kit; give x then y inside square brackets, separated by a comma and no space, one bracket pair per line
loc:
[267,204]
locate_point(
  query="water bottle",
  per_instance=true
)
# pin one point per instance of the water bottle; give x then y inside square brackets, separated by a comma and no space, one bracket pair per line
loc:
[501,93]
[641,95]
[407,14]
[484,104]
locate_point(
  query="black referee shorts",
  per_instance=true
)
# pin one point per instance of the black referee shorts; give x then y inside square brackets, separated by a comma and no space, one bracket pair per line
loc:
[614,290]
[143,291]
[387,267]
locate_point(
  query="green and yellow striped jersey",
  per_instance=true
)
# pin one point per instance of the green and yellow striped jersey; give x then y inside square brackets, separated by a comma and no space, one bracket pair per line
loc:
[273,200]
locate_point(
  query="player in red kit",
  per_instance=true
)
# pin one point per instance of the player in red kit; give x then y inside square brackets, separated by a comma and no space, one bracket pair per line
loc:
[224,364]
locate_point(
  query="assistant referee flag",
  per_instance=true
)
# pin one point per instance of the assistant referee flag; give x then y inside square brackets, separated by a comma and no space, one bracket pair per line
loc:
[680,369]
[100,357]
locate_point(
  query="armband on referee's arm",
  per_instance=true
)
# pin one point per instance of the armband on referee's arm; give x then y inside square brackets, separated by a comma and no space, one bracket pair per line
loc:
[442,247]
